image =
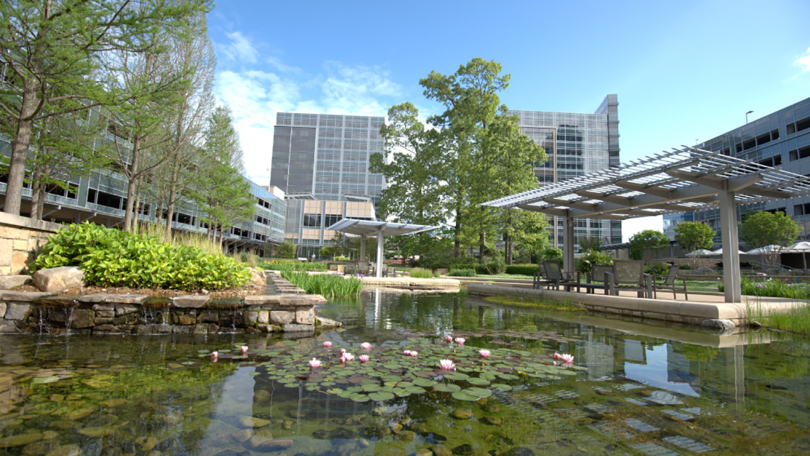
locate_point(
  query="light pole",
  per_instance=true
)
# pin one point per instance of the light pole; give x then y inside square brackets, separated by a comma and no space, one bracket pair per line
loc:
[268,179]
[746,116]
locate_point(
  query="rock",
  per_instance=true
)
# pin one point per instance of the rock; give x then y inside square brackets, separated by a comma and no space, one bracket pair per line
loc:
[59,279]
[441,450]
[190,301]
[282,317]
[406,436]
[287,425]
[80,413]
[149,444]
[20,440]
[321,321]
[723,325]
[97,431]
[491,407]
[396,428]
[264,317]
[465,449]
[11,281]
[305,317]
[251,422]
[243,435]
[462,415]
[363,443]
[519,451]
[266,445]
[65,450]
[755,324]
[257,277]
[114,402]
[183,319]
[296,414]
[81,318]
[17,311]
[424,452]
[299,328]
[261,396]
[492,420]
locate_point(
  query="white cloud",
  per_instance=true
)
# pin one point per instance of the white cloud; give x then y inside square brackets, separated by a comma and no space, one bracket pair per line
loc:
[239,49]
[804,62]
[256,92]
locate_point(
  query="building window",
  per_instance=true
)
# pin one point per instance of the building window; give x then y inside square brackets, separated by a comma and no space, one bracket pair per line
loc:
[777,160]
[331,219]
[798,209]
[749,144]
[312,220]
[803,124]
[791,128]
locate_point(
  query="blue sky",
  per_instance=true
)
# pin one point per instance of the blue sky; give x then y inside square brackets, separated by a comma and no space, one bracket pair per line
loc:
[682,70]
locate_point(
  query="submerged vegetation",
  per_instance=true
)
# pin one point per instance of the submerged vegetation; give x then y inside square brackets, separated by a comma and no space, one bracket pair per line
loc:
[566,306]
[326,285]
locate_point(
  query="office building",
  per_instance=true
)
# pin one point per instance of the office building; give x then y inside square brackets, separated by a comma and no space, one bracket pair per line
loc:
[780,139]
[576,144]
[321,162]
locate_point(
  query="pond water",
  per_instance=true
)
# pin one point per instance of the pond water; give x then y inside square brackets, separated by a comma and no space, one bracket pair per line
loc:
[633,388]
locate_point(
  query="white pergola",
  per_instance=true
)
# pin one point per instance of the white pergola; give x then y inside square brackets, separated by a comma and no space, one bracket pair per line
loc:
[682,180]
[364,228]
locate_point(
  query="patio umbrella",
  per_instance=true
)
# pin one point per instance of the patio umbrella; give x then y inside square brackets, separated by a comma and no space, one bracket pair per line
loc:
[763,250]
[800,247]
[720,252]
[699,252]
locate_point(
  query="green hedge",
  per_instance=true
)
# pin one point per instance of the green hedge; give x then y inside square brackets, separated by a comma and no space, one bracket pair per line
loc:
[522,269]
[489,268]
[418,273]
[461,273]
[294,266]
[115,258]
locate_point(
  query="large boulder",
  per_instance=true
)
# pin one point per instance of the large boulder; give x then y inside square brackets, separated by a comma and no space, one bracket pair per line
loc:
[59,279]
[12,281]
[258,277]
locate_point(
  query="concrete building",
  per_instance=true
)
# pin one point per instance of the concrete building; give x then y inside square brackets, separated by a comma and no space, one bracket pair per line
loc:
[780,139]
[576,144]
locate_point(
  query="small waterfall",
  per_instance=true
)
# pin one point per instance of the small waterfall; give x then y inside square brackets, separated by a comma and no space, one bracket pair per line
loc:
[68,319]
[42,321]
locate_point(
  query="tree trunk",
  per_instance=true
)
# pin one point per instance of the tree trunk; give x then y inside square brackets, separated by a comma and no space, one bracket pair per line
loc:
[457,233]
[19,148]
[137,205]
[132,177]
[36,183]
[172,192]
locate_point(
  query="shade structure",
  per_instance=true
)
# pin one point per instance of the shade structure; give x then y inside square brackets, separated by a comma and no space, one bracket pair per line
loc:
[720,252]
[380,229]
[800,247]
[681,180]
[699,253]
[765,250]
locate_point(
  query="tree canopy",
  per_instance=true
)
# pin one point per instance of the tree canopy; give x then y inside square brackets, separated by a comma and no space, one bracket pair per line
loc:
[644,243]
[693,236]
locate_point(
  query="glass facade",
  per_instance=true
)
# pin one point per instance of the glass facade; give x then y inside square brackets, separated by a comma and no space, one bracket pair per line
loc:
[780,139]
[576,144]
[308,219]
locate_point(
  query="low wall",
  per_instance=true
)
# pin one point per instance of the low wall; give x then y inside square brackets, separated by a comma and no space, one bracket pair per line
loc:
[20,239]
[22,312]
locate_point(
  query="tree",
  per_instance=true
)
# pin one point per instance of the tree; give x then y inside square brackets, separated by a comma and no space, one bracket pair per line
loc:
[286,250]
[552,253]
[694,236]
[590,243]
[646,242]
[762,229]
[50,49]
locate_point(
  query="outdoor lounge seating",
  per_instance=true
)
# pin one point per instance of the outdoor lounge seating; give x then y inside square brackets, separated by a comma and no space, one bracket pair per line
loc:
[556,277]
[628,275]
[596,279]
[540,277]
[669,283]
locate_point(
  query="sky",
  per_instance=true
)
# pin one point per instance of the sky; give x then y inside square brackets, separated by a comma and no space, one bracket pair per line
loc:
[684,71]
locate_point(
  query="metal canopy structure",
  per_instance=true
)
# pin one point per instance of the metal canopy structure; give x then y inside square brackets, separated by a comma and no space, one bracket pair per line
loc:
[682,180]
[380,229]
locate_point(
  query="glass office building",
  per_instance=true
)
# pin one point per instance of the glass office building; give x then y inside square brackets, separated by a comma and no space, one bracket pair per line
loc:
[576,144]
[780,139]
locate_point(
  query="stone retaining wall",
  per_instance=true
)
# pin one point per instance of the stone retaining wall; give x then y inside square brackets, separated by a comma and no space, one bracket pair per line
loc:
[20,239]
[22,312]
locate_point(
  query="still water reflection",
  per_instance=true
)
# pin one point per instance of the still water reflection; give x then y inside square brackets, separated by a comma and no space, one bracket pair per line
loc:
[647,390]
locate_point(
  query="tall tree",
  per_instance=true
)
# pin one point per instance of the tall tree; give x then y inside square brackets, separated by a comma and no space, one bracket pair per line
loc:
[763,229]
[693,237]
[50,51]
[645,243]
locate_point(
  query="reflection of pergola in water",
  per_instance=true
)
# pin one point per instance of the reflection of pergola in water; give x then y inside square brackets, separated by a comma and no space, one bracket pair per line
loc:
[679,181]
[364,228]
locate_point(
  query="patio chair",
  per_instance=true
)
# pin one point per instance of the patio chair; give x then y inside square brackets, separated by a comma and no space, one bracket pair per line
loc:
[596,279]
[669,283]
[363,267]
[629,275]
[540,277]
[350,269]
[556,277]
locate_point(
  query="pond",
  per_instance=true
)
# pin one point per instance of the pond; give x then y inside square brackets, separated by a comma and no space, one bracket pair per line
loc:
[632,389]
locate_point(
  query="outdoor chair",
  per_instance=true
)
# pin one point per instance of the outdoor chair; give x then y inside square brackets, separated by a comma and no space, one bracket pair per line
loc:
[350,269]
[669,283]
[540,277]
[629,275]
[556,277]
[596,279]
[363,267]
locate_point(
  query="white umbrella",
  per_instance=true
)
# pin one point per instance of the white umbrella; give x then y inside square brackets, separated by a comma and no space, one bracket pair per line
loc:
[699,252]
[764,250]
[720,252]
[800,247]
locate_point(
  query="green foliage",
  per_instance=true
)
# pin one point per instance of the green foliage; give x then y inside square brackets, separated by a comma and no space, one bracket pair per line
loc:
[110,257]
[419,273]
[326,285]
[522,269]
[584,264]
[657,268]
[492,267]
[645,242]
[765,228]
[590,243]
[694,236]
[551,254]
[293,266]
[461,273]
[286,250]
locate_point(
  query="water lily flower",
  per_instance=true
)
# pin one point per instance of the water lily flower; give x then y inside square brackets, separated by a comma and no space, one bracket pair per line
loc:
[244,349]
[566,358]
[556,355]
[364,358]
[407,353]
[484,353]
[346,357]
[314,362]
[460,341]
[447,364]
[365,346]
[414,354]
[342,351]
[214,354]
[449,339]
[327,344]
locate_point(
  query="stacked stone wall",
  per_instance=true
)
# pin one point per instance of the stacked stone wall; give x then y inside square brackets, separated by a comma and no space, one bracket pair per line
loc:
[20,240]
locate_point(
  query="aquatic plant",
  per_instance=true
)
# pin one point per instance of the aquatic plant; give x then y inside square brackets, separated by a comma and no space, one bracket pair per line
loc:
[326,285]
[484,353]
[419,273]
[292,266]
[244,349]
[460,340]
[365,346]
[327,344]
[314,362]
[447,364]
[364,358]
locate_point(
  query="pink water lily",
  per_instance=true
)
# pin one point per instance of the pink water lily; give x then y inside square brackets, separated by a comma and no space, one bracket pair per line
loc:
[327,344]
[342,351]
[214,354]
[244,349]
[460,340]
[566,358]
[414,353]
[314,362]
[556,355]
[449,339]
[364,358]
[346,357]
[365,346]
[484,353]
[407,353]
[447,364]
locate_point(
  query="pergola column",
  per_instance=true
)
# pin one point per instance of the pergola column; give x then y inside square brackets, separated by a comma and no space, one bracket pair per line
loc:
[362,248]
[380,254]
[568,245]
[731,247]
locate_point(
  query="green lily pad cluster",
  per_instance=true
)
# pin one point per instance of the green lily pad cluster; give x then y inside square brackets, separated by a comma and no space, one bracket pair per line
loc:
[390,373]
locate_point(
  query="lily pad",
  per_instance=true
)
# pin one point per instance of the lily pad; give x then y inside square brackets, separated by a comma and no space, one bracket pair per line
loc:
[447,387]
[501,387]
[371,388]
[480,392]
[478,381]
[357,397]
[456,376]
[423,382]
[381,396]
[462,396]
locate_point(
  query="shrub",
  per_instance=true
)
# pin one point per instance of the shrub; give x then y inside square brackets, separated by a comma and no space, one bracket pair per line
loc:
[493,267]
[552,253]
[419,273]
[584,264]
[657,268]
[293,266]
[522,269]
[110,257]
[462,273]
[326,285]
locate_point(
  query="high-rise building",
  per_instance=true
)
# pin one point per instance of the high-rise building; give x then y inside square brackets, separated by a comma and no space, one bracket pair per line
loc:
[321,162]
[780,139]
[576,144]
